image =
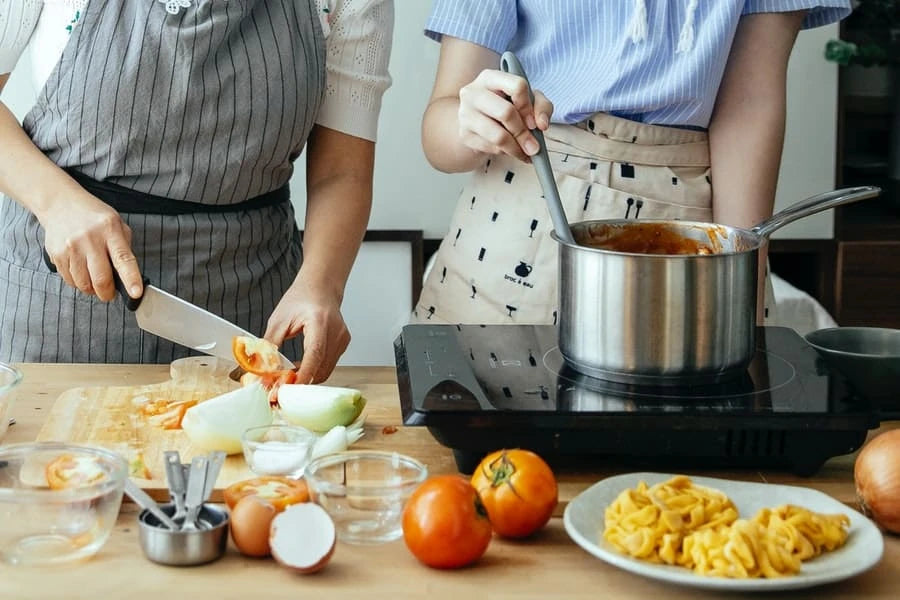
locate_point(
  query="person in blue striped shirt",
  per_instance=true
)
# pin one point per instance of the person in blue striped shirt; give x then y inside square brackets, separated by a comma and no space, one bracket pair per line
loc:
[665,109]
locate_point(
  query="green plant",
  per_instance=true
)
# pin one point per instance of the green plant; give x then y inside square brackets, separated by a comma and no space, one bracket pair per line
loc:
[872,35]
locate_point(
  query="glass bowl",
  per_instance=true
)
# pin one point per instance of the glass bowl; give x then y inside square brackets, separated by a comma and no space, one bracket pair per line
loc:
[10,377]
[278,449]
[364,491]
[42,526]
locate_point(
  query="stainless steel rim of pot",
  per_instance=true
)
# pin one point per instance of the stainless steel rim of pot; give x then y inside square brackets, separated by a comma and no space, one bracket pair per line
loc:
[761,232]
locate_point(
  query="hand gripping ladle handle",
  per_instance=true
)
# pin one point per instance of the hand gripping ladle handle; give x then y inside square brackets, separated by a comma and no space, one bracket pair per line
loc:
[510,64]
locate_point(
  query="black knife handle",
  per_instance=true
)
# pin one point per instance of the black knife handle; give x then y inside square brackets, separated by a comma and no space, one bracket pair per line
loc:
[130,303]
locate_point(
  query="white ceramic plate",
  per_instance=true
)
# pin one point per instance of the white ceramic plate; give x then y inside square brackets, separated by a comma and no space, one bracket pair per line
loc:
[583,520]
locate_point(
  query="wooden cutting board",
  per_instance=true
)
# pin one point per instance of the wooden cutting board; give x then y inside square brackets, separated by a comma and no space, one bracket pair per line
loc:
[108,417]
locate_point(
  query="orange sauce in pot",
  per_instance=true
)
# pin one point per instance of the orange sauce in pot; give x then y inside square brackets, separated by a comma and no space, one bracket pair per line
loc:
[650,238]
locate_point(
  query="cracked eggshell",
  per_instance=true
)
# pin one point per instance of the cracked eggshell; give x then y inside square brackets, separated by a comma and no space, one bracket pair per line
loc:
[303,537]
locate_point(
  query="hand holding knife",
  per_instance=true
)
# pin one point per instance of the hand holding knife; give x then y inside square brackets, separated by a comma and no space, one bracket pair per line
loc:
[169,317]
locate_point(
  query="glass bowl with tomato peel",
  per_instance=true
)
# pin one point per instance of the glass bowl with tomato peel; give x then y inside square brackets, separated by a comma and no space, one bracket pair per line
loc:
[364,492]
[10,378]
[58,502]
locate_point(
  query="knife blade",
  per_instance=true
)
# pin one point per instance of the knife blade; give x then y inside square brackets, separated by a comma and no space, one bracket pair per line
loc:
[177,320]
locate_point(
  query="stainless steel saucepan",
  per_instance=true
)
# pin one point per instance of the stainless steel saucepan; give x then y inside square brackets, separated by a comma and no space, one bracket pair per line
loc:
[667,302]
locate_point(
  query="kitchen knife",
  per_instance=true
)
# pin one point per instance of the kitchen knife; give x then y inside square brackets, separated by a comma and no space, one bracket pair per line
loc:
[169,317]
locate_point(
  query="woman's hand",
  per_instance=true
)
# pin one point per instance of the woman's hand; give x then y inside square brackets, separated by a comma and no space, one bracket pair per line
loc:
[86,242]
[316,313]
[496,115]
[476,110]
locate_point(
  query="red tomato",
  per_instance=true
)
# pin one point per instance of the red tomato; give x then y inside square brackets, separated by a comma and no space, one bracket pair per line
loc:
[518,490]
[444,523]
[255,355]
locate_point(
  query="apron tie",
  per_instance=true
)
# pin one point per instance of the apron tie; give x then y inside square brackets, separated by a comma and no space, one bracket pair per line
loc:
[686,38]
[637,28]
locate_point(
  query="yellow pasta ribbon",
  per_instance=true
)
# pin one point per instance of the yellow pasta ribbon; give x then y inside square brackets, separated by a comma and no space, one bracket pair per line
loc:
[678,523]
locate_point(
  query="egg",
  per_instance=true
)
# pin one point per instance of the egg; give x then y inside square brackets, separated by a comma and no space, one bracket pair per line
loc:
[251,518]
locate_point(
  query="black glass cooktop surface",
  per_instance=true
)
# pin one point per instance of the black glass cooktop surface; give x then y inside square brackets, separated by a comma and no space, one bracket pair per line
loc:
[481,387]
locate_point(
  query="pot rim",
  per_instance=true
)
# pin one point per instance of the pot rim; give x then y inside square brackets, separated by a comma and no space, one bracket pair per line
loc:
[699,224]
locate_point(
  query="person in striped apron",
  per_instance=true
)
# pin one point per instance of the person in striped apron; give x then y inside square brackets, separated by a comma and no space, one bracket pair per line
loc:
[661,109]
[161,144]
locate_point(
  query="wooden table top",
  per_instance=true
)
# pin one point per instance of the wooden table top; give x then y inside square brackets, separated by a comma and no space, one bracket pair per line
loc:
[548,565]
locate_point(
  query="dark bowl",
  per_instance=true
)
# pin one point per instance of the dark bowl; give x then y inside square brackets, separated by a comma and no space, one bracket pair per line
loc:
[868,357]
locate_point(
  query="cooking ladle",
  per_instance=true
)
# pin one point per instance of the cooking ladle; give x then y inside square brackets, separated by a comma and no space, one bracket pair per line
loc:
[510,64]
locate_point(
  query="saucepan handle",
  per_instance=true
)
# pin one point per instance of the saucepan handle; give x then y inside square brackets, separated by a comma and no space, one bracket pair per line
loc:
[813,205]
[130,303]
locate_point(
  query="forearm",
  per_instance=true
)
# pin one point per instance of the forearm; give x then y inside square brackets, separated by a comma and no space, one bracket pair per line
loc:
[336,218]
[339,201]
[745,142]
[440,138]
[26,175]
[746,132]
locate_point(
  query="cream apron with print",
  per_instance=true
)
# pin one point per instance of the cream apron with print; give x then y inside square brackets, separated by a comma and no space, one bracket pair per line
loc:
[498,263]
[194,115]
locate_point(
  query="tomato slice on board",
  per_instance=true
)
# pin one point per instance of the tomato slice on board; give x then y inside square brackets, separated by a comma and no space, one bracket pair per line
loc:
[69,471]
[256,355]
[278,491]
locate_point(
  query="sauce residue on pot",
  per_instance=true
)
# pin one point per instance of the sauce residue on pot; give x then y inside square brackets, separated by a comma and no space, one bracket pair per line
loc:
[651,238]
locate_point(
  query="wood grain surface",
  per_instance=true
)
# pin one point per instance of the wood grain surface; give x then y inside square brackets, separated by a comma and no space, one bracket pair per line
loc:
[548,565]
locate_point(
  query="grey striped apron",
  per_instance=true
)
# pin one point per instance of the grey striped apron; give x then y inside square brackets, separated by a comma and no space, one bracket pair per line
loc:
[203,111]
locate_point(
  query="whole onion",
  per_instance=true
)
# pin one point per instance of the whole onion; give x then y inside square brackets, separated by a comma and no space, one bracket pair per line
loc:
[877,477]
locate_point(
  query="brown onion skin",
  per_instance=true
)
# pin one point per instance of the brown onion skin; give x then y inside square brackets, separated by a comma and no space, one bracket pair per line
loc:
[877,477]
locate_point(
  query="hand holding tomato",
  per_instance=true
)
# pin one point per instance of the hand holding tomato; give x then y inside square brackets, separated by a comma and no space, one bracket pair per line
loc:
[518,489]
[444,523]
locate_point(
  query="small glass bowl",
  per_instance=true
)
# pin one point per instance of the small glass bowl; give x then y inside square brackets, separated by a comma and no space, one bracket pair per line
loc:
[43,526]
[10,377]
[278,449]
[364,491]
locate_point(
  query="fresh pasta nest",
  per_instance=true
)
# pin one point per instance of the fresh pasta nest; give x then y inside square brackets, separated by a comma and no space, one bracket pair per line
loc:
[678,523]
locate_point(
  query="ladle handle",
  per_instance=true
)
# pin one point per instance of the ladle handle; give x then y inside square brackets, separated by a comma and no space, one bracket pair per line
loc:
[813,205]
[510,64]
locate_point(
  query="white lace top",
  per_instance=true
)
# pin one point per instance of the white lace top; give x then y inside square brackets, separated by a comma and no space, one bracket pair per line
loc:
[358,36]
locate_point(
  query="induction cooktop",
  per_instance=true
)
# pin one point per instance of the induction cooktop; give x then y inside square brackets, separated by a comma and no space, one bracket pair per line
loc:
[478,388]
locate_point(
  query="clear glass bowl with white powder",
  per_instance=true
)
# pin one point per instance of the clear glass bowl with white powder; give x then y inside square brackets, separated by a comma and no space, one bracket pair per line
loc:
[278,449]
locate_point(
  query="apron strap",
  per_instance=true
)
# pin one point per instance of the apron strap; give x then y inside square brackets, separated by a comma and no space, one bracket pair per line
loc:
[126,200]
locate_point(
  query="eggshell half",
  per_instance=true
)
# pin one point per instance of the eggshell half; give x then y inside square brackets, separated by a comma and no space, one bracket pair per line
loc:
[303,537]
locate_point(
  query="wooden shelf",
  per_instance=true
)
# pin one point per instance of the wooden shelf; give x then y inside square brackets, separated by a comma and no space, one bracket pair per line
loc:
[868,105]
[876,219]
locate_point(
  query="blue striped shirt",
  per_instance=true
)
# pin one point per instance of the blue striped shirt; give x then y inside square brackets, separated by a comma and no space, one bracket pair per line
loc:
[653,61]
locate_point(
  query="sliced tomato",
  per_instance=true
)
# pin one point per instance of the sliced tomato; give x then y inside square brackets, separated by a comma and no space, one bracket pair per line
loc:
[270,382]
[278,491]
[256,355]
[166,414]
[69,471]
